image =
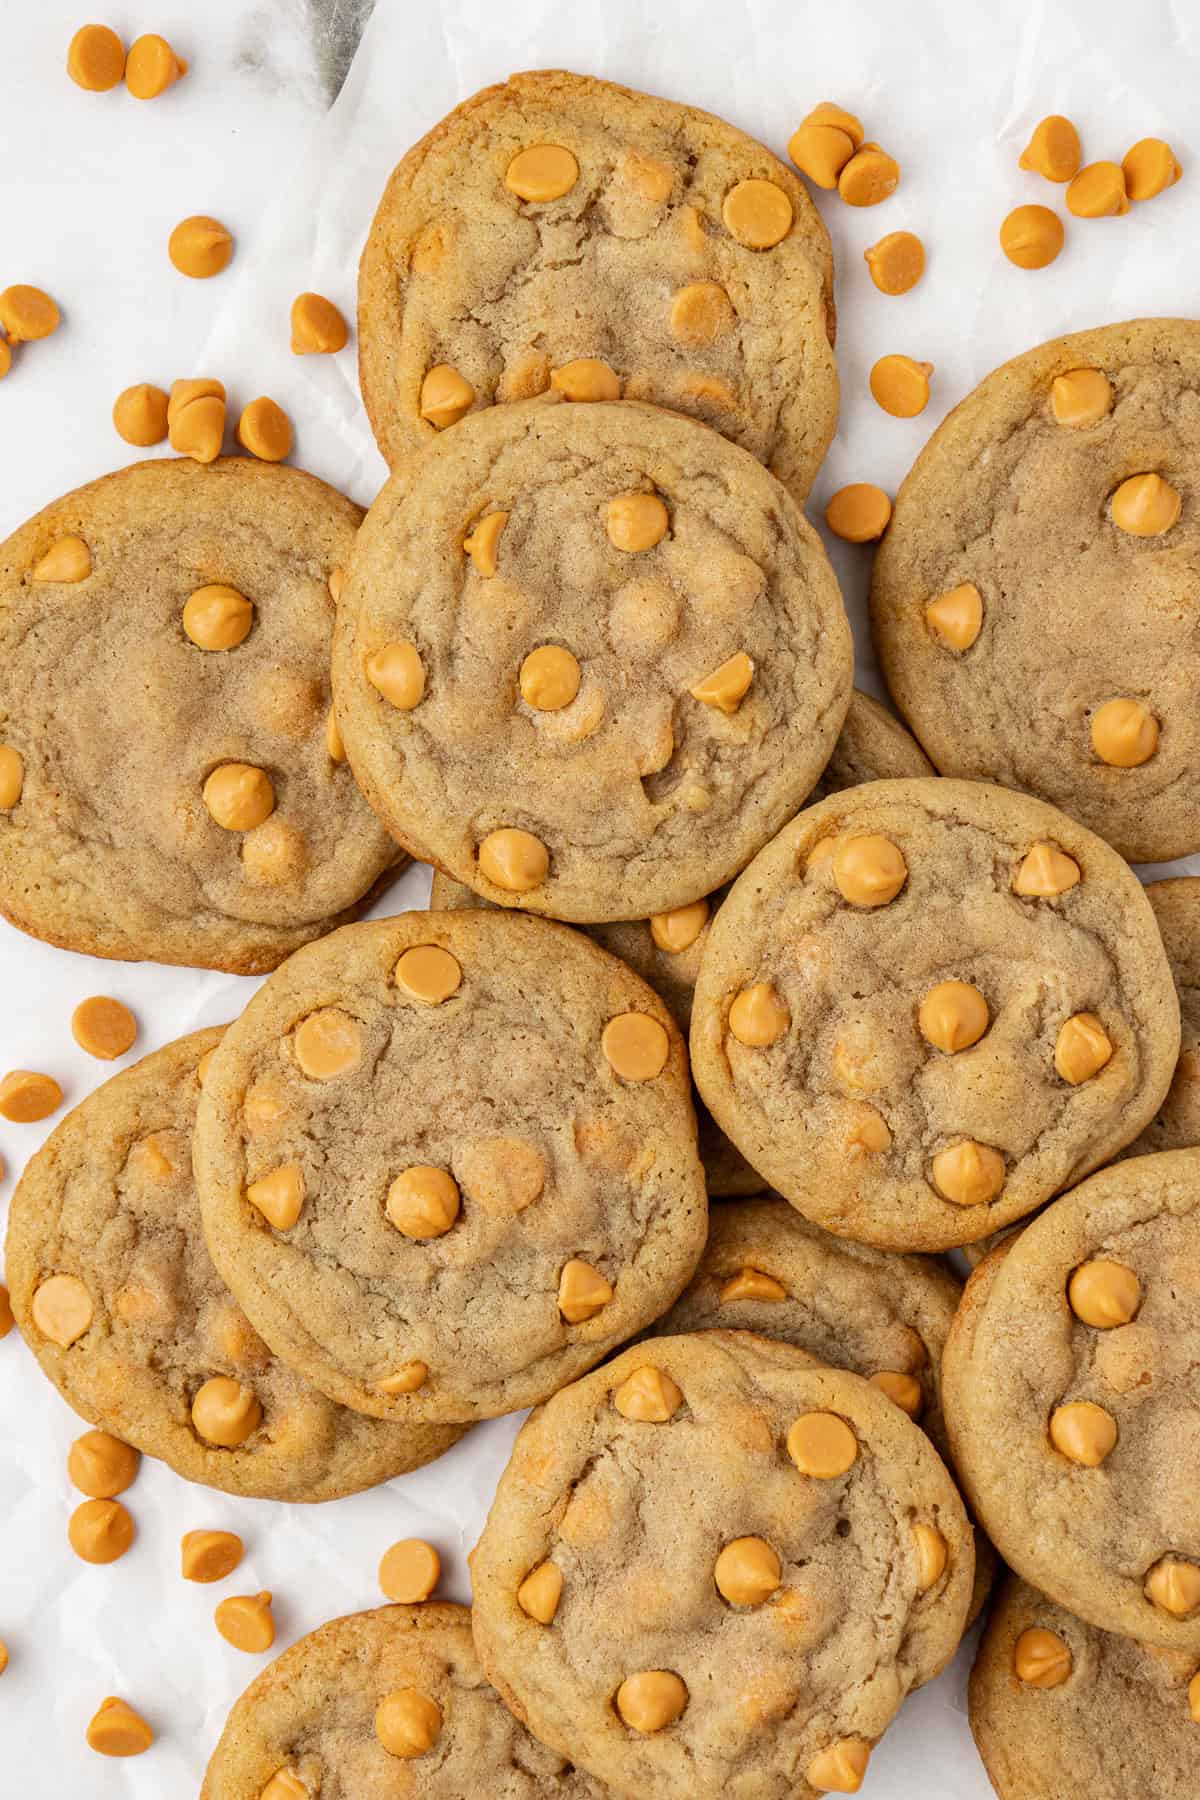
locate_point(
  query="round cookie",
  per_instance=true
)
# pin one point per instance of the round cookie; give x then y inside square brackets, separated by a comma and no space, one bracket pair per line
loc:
[1069,1384]
[312,1716]
[166,788]
[715,1567]
[105,1227]
[1059,1708]
[1176,1125]
[1031,601]
[929,1005]
[556,221]
[487,1126]
[603,710]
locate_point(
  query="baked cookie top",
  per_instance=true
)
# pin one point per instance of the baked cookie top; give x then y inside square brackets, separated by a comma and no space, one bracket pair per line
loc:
[166,786]
[1070,1388]
[1059,1708]
[929,1005]
[559,235]
[118,1299]
[589,658]
[447,1162]
[1176,1125]
[715,1567]
[1032,598]
[320,1718]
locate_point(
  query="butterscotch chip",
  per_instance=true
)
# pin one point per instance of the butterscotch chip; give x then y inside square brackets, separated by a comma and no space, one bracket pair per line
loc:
[1032,236]
[869,177]
[140,414]
[840,1768]
[328,1044]
[100,1531]
[514,860]
[1082,1048]
[648,1396]
[12,777]
[27,313]
[408,1723]
[1149,167]
[651,1700]
[1124,733]
[829,113]
[1194,1698]
[62,1309]
[265,430]
[246,1622]
[757,213]
[932,1555]
[409,1571]
[1080,398]
[239,796]
[758,1016]
[196,418]
[226,1413]
[200,247]
[1083,1432]
[752,1284]
[1045,873]
[1053,149]
[902,1390]
[967,1173]
[542,173]
[68,560]
[1146,506]
[446,396]
[279,1196]
[1104,1293]
[423,1202]
[406,1379]
[821,152]
[540,1592]
[333,738]
[700,313]
[953,1016]
[6,1312]
[429,974]
[5,358]
[635,1046]
[586,380]
[503,1175]
[582,1291]
[869,871]
[26,1096]
[859,513]
[677,930]
[96,58]
[318,327]
[152,67]
[397,672]
[482,544]
[549,678]
[1174,1585]
[727,686]
[1041,1659]
[822,1445]
[103,1027]
[116,1730]
[900,385]
[897,262]
[748,1571]
[217,617]
[1098,191]
[956,617]
[274,853]
[637,522]
[207,1556]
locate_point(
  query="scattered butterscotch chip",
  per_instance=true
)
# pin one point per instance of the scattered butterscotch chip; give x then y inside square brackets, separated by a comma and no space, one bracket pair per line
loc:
[967,1173]
[246,1622]
[859,513]
[265,430]
[587,380]
[318,327]
[27,313]
[406,1379]
[758,1017]
[279,1195]
[62,1309]
[101,1466]
[549,678]
[648,1396]
[901,386]
[700,313]
[140,414]
[514,860]
[651,1700]
[26,1096]
[1080,398]
[226,1413]
[1082,1048]
[747,1571]
[1045,872]
[239,796]
[637,522]
[428,973]
[582,1291]
[757,213]
[1148,168]
[445,396]
[1193,1697]
[902,1390]
[540,1592]
[828,112]
[820,151]
[151,68]
[870,176]
[409,1571]
[1098,192]
[727,686]
[423,1202]
[200,247]
[822,1445]
[116,1730]
[953,1016]
[1174,1584]
[327,1044]
[1053,150]
[897,262]
[483,542]
[6,1311]
[103,1027]
[932,1554]
[67,561]
[869,870]
[5,358]
[1145,505]
[956,617]
[96,58]
[100,1531]
[542,173]
[206,1556]
[677,930]
[1032,236]
[1124,733]
[1041,1659]
[397,672]
[1104,1294]
[840,1768]
[408,1723]
[1083,1432]
[196,418]
[635,1046]
[217,617]
[3,1656]
[752,1284]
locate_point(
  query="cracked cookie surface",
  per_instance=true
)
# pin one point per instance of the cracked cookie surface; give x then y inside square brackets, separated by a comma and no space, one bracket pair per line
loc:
[311,1715]
[486,1126]
[1059,1708]
[1027,635]
[599,707]
[1070,1388]
[679,254]
[927,1006]
[135,712]
[713,1566]
[109,1204]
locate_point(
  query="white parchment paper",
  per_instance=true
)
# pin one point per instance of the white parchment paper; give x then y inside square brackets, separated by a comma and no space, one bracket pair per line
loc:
[91,187]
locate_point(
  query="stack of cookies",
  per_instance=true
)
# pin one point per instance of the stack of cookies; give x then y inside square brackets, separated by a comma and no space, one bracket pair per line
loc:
[585,656]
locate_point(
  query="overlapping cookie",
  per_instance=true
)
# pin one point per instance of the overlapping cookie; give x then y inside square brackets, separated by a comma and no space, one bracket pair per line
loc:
[117,1297]
[1176,1125]
[168,785]
[560,235]
[1032,600]
[928,1006]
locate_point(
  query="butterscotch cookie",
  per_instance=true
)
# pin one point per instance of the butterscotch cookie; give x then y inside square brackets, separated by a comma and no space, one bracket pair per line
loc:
[166,786]
[1176,1125]
[380,1704]
[447,1162]
[1061,1709]
[1031,601]
[929,1005]
[715,1567]
[589,658]
[1069,1383]
[561,236]
[118,1299]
